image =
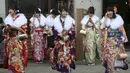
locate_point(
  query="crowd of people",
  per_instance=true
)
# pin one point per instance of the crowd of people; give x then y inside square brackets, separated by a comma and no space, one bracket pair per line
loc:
[106,35]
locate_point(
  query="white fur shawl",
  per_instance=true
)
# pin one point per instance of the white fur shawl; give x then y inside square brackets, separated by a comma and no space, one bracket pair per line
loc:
[69,21]
[86,18]
[115,23]
[36,22]
[21,20]
[49,21]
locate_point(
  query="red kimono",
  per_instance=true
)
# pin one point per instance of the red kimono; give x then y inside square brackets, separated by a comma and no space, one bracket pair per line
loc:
[16,52]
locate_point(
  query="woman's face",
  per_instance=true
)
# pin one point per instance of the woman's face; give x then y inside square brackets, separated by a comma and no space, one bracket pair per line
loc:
[110,14]
[12,12]
[115,9]
[53,15]
[37,14]
[90,15]
[64,13]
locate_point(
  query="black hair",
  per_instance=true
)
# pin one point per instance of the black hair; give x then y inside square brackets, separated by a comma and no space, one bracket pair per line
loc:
[63,8]
[38,10]
[14,7]
[111,8]
[55,12]
[91,10]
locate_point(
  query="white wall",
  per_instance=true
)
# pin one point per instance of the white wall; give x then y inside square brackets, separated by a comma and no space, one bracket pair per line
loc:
[2,8]
[85,4]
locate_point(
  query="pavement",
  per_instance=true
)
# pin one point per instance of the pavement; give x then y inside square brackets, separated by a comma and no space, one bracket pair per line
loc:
[81,67]
[46,68]
[128,52]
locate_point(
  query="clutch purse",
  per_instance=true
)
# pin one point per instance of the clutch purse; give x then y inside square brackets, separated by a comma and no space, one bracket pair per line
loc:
[83,32]
[122,56]
[66,38]
[61,42]
[50,32]
[121,64]
[60,35]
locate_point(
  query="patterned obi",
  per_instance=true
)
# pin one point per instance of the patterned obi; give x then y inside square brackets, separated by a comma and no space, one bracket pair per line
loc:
[38,30]
[114,33]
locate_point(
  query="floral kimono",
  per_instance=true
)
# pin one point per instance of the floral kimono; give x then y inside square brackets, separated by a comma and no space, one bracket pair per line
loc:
[89,40]
[38,38]
[16,52]
[113,37]
[63,55]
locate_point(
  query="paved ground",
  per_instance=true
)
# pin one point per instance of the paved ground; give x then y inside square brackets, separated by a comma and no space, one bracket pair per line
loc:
[80,68]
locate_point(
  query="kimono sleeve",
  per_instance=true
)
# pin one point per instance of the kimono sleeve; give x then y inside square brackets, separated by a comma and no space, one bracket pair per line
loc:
[102,23]
[83,22]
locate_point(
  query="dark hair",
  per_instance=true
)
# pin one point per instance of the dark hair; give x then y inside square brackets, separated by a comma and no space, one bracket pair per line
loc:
[54,12]
[91,10]
[111,8]
[14,7]
[63,8]
[38,10]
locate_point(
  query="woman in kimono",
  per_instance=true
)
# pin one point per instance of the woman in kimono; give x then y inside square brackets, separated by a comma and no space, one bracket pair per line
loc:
[50,24]
[89,23]
[51,32]
[39,40]
[64,50]
[113,37]
[16,52]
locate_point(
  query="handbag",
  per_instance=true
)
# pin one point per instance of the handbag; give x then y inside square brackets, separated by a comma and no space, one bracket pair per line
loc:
[66,38]
[83,32]
[121,64]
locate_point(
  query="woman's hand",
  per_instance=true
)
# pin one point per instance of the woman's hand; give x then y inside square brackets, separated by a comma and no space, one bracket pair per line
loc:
[91,21]
[106,15]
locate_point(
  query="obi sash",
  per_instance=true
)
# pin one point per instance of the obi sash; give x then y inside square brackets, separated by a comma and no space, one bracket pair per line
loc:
[114,33]
[38,30]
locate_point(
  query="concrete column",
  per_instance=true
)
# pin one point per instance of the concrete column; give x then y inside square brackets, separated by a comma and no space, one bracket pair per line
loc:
[2,9]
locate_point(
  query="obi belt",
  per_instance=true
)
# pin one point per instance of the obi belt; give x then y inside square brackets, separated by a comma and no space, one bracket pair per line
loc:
[114,33]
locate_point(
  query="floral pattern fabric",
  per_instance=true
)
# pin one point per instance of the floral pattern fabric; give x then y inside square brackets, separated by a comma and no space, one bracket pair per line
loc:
[109,51]
[90,46]
[62,56]
[39,44]
[14,52]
